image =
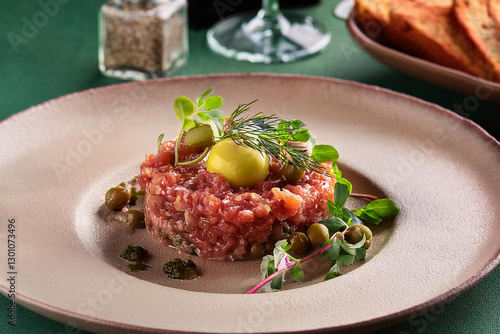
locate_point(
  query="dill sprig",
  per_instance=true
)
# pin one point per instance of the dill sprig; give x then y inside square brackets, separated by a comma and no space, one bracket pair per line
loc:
[269,135]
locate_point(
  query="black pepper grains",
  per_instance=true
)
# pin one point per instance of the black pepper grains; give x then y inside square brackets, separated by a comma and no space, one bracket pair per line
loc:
[142,39]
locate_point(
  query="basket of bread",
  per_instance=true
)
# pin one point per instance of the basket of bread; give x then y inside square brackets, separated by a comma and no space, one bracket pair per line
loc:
[461,36]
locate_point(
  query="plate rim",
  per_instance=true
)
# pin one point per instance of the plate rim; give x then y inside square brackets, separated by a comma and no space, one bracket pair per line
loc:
[352,83]
[88,322]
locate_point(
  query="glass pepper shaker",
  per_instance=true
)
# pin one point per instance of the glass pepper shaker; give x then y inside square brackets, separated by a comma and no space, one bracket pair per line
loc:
[142,39]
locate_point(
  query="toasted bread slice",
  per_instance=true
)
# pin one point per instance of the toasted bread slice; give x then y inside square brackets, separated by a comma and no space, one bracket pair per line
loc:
[427,29]
[482,30]
[372,16]
[430,32]
[494,11]
[442,3]
[371,12]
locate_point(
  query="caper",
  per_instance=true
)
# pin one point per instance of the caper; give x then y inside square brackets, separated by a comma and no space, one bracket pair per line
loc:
[299,243]
[355,233]
[135,219]
[199,136]
[292,172]
[317,234]
[117,198]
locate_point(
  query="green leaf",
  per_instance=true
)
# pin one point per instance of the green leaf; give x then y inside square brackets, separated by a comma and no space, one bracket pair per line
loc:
[184,107]
[297,273]
[215,116]
[332,208]
[212,102]
[332,253]
[336,171]
[297,124]
[324,153]
[188,124]
[277,283]
[345,260]
[384,207]
[271,269]
[375,211]
[347,247]
[203,116]
[333,224]
[351,249]
[280,251]
[360,253]
[360,243]
[160,138]
[284,125]
[301,135]
[367,217]
[353,220]
[267,265]
[312,139]
[200,99]
[341,194]
[283,245]
[338,212]
[344,181]
[333,272]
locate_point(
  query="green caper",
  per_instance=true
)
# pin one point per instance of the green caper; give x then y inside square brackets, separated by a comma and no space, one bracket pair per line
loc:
[292,172]
[317,234]
[299,243]
[135,219]
[355,233]
[117,198]
[199,136]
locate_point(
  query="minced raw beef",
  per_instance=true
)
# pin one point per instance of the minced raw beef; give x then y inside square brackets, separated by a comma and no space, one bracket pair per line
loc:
[198,211]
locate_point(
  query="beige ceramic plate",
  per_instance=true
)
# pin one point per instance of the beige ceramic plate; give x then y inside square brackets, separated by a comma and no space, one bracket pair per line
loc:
[63,155]
[436,74]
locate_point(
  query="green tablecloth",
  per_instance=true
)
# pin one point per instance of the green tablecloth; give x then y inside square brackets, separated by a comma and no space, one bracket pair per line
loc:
[61,58]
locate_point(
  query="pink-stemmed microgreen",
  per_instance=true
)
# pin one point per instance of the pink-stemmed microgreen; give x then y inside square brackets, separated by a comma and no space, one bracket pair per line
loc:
[205,108]
[336,248]
[365,196]
[269,135]
[291,263]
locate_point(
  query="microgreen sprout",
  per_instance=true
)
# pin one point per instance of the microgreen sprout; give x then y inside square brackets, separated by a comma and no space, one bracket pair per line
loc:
[267,134]
[337,249]
[205,108]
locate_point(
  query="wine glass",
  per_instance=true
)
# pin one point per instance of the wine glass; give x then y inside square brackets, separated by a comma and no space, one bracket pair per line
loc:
[268,37]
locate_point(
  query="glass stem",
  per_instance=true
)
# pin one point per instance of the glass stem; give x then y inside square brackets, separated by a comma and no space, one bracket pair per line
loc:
[270,9]
[269,16]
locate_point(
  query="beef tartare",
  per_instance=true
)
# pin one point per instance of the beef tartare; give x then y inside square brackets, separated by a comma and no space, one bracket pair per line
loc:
[247,187]
[199,212]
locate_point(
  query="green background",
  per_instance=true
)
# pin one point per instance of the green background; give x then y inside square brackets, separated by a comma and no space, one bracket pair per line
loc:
[61,58]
